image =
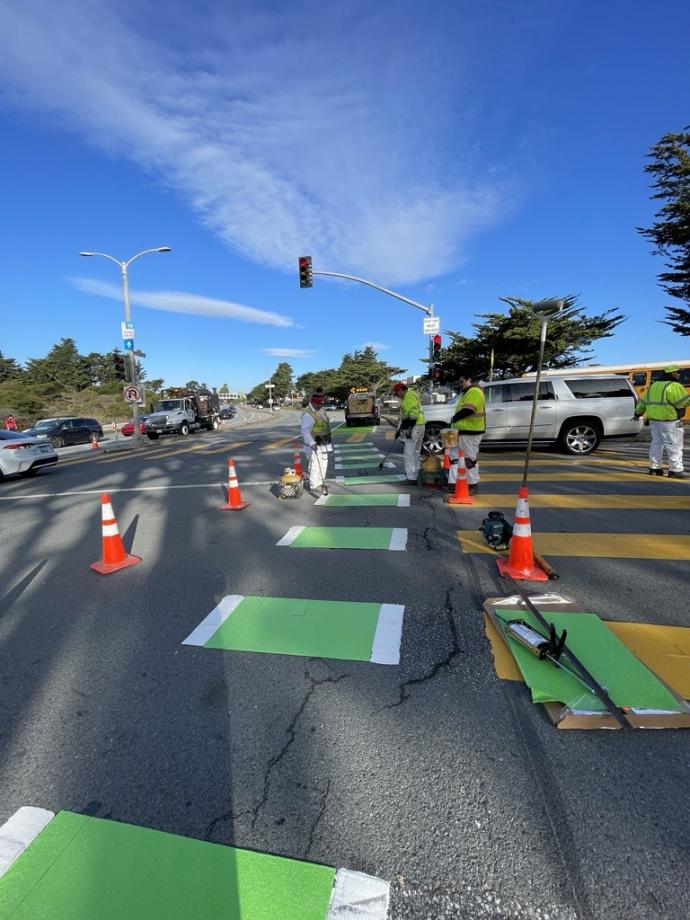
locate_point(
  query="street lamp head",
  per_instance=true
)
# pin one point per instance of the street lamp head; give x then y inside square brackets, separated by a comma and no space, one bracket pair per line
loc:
[548,307]
[85,253]
[164,249]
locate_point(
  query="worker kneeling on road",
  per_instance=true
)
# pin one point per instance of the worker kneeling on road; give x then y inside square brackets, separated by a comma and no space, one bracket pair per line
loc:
[470,421]
[316,435]
[410,429]
[664,404]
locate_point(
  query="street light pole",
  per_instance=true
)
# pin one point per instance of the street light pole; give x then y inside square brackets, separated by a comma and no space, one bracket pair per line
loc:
[545,309]
[129,355]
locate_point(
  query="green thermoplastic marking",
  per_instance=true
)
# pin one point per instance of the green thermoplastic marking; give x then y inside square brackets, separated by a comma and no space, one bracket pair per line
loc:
[291,626]
[85,868]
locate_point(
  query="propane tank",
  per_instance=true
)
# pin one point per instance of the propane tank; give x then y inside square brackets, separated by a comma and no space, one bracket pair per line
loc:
[528,637]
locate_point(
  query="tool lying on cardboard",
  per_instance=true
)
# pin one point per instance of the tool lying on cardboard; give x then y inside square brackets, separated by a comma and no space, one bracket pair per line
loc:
[552,648]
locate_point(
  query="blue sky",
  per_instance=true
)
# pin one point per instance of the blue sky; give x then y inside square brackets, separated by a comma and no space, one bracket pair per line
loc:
[456,152]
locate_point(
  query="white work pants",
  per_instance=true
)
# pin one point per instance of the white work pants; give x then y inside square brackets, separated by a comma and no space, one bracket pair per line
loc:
[666,436]
[412,450]
[469,444]
[318,466]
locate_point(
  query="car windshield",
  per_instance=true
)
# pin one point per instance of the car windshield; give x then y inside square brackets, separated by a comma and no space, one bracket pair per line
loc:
[167,405]
[45,423]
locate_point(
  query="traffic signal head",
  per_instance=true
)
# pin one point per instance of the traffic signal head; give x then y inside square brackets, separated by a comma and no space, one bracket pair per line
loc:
[119,365]
[305,274]
[436,348]
[437,374]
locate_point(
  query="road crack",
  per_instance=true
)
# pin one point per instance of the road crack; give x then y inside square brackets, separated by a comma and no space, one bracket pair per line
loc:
[291,733]
[438,666]
[322,811]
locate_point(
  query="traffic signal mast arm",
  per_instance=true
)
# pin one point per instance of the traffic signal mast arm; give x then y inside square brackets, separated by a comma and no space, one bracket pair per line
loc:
[429,310]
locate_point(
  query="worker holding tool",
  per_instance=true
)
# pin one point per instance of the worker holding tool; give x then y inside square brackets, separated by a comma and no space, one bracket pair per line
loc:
[664,404]
[316,436]
[410,429]
[470,421]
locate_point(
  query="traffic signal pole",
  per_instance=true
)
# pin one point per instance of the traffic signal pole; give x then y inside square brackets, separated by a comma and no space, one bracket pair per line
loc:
[129,355]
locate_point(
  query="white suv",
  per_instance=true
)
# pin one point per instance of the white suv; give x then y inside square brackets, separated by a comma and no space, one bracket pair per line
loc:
[574,411]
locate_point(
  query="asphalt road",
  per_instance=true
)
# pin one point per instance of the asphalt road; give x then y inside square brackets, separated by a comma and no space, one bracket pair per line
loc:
[434,774]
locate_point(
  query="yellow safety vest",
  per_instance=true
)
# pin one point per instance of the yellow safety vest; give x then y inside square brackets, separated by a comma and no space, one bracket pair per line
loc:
[321,427]
[410,407]
[661,401]
[473,398]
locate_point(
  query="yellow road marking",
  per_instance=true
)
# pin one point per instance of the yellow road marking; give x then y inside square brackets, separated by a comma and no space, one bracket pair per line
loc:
[485,461]
[228,448]
[641,502]
[163,454]
[390,435]
[602,545]
[603,476]
[355,438]
[274,444]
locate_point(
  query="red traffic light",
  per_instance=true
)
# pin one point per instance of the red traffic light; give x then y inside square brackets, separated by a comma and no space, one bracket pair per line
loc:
[437,341]
[306,279]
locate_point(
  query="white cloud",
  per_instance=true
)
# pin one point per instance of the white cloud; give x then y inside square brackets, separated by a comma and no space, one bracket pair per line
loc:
[288,352]
[328,130]
[181,302]
[377,346]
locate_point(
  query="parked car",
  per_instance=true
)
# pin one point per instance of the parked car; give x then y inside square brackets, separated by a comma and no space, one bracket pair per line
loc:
[24,455]
[228,412]
[573,411]
[63,431]
[128,428]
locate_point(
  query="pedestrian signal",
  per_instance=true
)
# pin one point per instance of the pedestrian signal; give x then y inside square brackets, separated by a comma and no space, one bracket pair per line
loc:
[119,365]
[306,279]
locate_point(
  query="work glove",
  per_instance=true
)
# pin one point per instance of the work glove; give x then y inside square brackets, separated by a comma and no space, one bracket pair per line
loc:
[456,418]
[314,447]
[407,424]
[470,464]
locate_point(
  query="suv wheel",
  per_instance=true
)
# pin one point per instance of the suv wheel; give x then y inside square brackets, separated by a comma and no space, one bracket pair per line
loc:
[432,442]
[57,442]
[580,437]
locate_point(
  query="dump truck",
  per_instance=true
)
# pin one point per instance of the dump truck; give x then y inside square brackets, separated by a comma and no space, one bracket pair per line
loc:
[182,411]
[362,407]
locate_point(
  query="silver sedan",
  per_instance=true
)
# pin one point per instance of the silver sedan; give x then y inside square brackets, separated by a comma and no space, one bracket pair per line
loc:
[22,454]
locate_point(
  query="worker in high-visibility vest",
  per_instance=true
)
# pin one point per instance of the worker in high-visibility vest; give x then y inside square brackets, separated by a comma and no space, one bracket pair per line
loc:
[470,421]
[410,429]
[316,435]
[664,404]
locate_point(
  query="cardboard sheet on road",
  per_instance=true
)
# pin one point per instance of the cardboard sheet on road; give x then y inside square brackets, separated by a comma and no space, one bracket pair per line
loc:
[652,699]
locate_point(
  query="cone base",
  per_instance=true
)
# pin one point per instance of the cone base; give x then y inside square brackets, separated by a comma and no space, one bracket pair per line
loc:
[105,568]
[533,574]
[234,507]
[452,500]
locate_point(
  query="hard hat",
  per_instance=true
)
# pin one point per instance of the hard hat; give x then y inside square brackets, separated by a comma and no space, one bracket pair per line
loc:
[399,386]
[671,369]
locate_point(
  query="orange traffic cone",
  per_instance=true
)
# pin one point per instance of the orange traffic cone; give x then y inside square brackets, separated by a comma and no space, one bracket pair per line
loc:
[297,462]
[520,562]
[461,496]
[446,459]
[114,555]
[94,442]
[235,502]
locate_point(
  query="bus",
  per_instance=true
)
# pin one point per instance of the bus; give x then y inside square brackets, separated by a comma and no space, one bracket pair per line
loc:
[640,375]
